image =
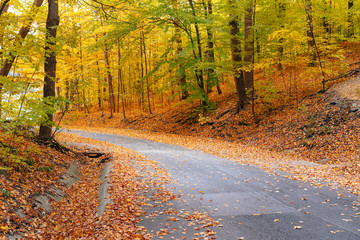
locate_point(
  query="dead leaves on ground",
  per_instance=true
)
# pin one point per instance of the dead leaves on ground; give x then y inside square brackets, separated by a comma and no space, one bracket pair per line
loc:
[21,182]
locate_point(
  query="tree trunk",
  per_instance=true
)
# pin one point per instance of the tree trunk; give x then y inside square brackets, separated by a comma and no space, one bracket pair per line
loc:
[326,24]
[199,73]
[212,78]
[82,76]
[180,74]
[4,6]
[120,82]
[351,18]
[236,58]
[52,23]
[110,82]
[281,16]
[310,33]
[249,47]
[316,49]
[146,72]
[99,92]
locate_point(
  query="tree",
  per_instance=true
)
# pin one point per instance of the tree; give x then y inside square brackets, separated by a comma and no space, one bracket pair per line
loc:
[212,78]
[351,18]
[281,17]
[235,46]
[180,73]
[4,6]
[199,72]
[52,23]
[249,46]
[110,80]
[310,32]
[24,30]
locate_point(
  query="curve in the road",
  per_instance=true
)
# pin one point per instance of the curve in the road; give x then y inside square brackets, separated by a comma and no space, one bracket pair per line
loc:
[248,202]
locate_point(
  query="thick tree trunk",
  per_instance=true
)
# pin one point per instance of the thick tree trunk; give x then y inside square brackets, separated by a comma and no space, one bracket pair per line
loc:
[317,52]
[249,47]
[237,59]
[52,23]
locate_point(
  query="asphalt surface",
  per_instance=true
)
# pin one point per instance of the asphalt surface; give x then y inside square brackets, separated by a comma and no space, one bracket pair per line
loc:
[248,202]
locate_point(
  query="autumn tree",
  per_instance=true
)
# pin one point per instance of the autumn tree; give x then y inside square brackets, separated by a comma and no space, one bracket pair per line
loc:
[249,46]
[52,23]
[236,56]
[4,6]
[18,41]
[351,18]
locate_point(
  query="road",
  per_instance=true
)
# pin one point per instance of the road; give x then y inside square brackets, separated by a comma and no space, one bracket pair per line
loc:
[248,202]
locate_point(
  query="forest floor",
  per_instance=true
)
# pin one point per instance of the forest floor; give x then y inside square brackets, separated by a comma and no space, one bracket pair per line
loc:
[37,204]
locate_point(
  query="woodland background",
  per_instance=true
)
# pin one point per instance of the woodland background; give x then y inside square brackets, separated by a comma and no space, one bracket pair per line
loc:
[140,56]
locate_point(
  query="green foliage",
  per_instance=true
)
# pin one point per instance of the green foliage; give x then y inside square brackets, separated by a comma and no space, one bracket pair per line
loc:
[267,94]
[11,158]
[6,193]
[44,169]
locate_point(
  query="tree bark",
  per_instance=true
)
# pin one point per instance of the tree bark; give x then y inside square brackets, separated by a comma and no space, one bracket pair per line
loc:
[326,24]
[212,78]
[249,47]
[351,18]
[110,81]
[146,72]
[4,6]
[237,59]
[281,16]
[120,82]
[310,33]
[52,23]
[180,74]
[199,73]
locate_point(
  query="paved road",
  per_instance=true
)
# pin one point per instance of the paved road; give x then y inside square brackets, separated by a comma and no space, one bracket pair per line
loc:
[248,202]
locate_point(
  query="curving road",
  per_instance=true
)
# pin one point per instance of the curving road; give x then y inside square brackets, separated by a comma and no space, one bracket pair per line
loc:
[248,202]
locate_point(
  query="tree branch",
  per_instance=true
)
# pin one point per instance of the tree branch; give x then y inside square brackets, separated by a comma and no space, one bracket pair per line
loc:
[4,6]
